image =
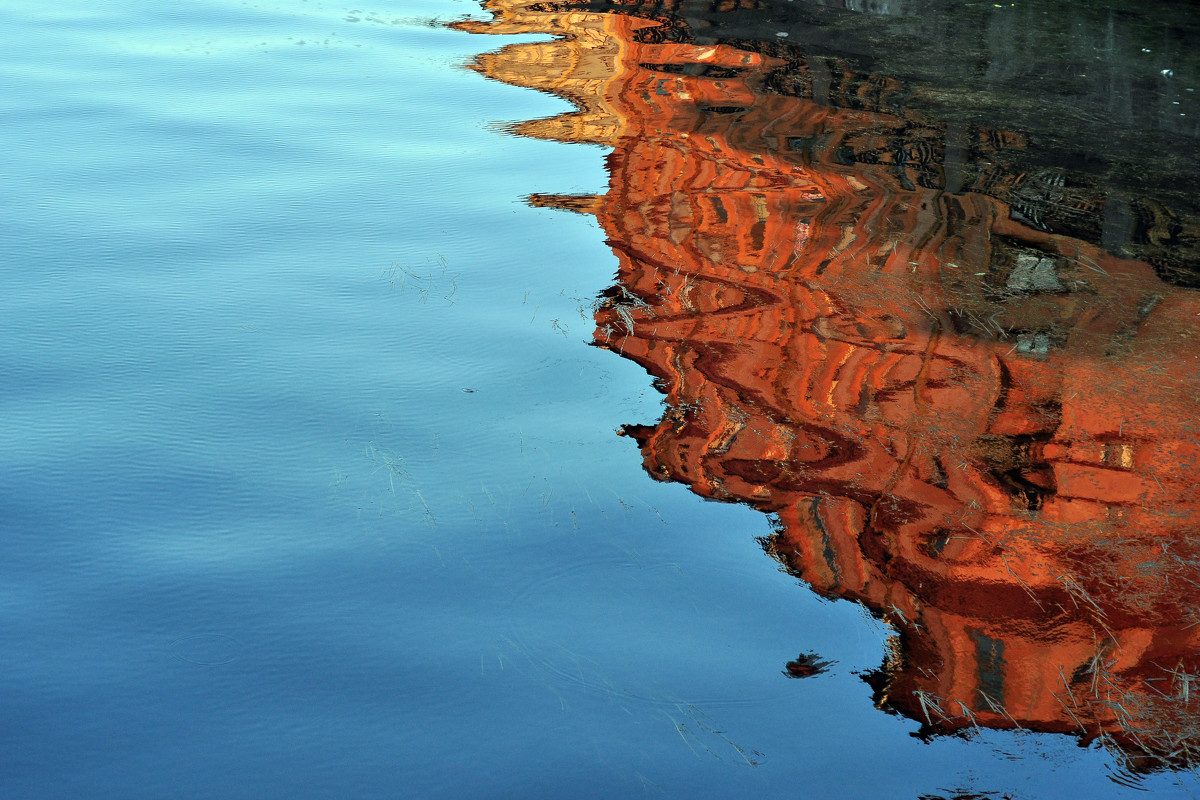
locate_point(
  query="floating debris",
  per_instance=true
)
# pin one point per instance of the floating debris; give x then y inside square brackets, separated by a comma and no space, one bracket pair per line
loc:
[806,665]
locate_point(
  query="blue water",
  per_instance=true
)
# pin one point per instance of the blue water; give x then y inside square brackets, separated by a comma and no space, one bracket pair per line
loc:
[309,484]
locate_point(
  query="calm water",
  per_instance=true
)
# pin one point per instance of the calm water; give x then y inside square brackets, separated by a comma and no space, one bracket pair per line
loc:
[312,483]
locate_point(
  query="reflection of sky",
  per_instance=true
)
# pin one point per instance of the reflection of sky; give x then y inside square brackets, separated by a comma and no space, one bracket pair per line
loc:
[259,541]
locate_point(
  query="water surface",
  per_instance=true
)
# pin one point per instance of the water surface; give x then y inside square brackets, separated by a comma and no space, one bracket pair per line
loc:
[312,484]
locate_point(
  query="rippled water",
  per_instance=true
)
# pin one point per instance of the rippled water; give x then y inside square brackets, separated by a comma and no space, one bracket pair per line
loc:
[311,482]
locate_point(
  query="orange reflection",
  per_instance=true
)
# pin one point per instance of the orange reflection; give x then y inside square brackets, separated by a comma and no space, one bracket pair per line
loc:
[877,329]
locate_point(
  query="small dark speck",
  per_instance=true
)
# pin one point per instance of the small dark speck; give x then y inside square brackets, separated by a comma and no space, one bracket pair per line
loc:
[806,665]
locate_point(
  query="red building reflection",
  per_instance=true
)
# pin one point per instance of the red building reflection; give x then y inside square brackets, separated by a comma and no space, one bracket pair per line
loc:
[876,328]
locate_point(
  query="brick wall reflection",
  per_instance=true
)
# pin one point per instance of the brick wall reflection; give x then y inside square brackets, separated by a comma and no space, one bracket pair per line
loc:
[979,426]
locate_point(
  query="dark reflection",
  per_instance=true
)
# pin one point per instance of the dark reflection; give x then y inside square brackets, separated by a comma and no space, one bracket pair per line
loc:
[806,665]
[959,374]
[1104,97]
